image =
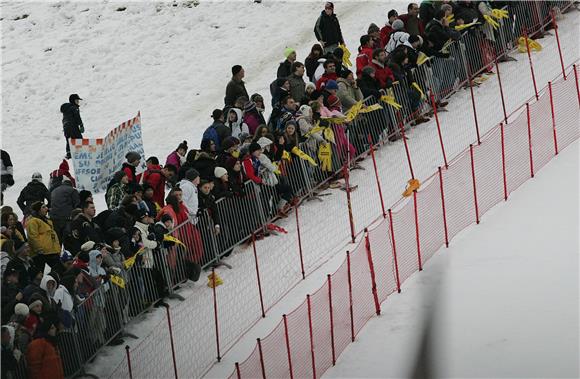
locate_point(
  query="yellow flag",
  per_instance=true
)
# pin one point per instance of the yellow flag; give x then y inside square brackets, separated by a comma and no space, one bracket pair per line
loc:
[416,86]
[371,108]
[335,120]
[450,18]
[117,280]
[325,156]
[302,155]
[329,135]
[465,26]
[422,58]
[389,99]
[494,24]
[129,262]
[499,13]
[286,155]
[170,238]
[345,55]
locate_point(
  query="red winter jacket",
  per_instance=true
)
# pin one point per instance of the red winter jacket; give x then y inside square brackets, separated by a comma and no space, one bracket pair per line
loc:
[364,58]
[251,174]
[130,171]
[383,74]
[405,18]
[324,78]
[386,34]
[155,178]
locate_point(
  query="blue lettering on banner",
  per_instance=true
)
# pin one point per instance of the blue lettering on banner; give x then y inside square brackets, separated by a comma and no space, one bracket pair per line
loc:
[94,165]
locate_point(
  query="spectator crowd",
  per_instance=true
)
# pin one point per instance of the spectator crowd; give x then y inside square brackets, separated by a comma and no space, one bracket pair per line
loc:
[64,263]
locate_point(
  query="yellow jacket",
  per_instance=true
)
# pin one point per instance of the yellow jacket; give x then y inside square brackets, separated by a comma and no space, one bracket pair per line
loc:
[42,237]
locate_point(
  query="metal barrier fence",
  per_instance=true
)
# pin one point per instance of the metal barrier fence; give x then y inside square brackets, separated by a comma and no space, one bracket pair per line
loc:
[309,339]
[240,218]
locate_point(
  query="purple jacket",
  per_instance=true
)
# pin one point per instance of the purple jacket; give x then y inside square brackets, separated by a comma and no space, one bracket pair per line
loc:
[173,159]
[253,120]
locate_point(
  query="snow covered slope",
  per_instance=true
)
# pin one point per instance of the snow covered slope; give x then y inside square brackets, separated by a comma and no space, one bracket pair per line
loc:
[170,62]
[507,303]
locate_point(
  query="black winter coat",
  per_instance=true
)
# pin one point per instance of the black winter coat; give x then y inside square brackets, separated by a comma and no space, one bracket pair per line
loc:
[71,120]
[208,202]
[34,191]
[9,292]
[311,64]
[22,268]
[369,86]
[284,70]
[63,200]
[437,34]
[327,29]
[235,89]
[205,165]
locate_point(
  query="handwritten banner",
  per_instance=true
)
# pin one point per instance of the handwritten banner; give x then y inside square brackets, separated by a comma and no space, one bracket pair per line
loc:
[95,161]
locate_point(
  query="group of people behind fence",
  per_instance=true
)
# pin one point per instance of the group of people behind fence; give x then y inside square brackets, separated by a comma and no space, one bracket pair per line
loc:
[72,277]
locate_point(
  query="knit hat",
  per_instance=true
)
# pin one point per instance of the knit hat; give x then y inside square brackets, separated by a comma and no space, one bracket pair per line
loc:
[368,70]
[333,100]
[310,85]
[142,213]
[66,256]
[21,309]
[398,25]
[331,84]
[249,106]
[254,147]
[329,5]
[37,176]
[191,174]
[84,195]
[345,73]
[288,51]
[373,28]
[132,156]
[219,172]
[34,304]
[87,246]
[236,69]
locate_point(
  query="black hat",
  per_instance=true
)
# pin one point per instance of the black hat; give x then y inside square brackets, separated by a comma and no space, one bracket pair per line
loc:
[36,206]
[141,213]
[254,146]
[166,218]
[236,69]
[191,174]
[74,97]
[10,271]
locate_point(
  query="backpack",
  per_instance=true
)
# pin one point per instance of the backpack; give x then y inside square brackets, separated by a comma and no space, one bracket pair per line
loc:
[211,134]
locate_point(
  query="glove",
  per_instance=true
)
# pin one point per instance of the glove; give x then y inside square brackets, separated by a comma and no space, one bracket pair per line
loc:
[217,229]
[494,24]
[499,13]
[82,128]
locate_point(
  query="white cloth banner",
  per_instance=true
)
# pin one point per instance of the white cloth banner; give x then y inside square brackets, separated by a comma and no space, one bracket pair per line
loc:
[95,161]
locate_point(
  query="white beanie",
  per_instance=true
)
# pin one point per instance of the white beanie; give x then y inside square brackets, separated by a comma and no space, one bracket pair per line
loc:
[21,309]
[219,172]
[87,246]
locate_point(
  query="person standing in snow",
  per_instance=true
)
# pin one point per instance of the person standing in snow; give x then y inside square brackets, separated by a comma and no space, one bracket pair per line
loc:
[34,191]
[285,68]
[72,124]
[7,172]
[388,28]
[327,29]
[297,84]
[63,199]
[236,87]
[413,24]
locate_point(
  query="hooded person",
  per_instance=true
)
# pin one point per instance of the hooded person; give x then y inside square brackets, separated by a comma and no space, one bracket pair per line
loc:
[177,157]
[398,37]
[268,172]
[189,188]
[236,123]
[144,221]
[34,191]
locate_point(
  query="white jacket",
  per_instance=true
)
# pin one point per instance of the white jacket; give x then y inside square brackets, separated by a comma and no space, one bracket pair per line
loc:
[267,168]
[239,126]
[147,244]
[190,198]
[62,296]
[397,38]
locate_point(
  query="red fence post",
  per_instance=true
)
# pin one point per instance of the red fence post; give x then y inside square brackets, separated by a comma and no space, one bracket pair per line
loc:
[505,117]
[331,310]
[171,341]
[349,204]
[530,140]
[402,127]
[417,229]
[311,336]
[473,103]
[217,333]
[553,117]
[434,106]
[394,250]
[299,244]
[350,297]
[474,186]
[129,361]
[531,63]
[443,206]
[262,366]
[505,192]
[372,272]
[372,147]
[258,274]
[577,88]
[238,371]
[555,25]
[287,336]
